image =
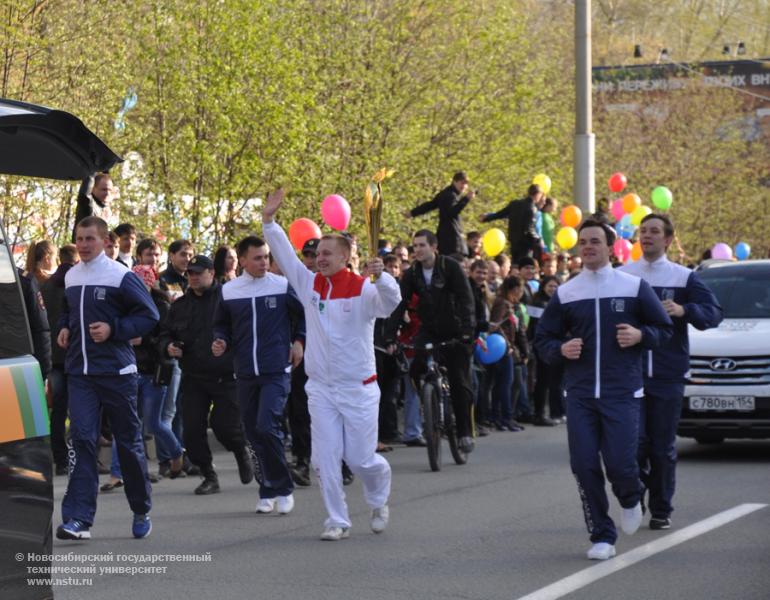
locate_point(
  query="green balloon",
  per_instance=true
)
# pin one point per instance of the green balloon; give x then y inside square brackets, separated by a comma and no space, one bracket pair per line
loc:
[662,197]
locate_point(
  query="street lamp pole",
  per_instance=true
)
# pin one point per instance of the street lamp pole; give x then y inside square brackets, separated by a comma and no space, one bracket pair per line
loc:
[584,138]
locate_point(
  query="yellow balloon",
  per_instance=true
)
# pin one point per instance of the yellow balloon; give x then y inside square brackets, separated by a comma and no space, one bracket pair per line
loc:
[543,181]
[493,242]
[639,214]
[567,237]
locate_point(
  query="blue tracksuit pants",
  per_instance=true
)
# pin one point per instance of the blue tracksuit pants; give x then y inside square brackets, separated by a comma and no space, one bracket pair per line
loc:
[116,395]
[262,400]
[606,427]
[659,418]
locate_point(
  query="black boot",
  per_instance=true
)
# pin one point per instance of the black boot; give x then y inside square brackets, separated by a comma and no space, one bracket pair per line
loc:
[347,474]
[300,472]
[210,483]
[245,466]
[190,468]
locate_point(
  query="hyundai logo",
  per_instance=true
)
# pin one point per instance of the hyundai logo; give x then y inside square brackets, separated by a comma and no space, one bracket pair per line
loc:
[723,364]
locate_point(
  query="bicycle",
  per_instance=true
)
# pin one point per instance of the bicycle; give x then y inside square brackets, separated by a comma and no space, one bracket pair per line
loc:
[437,412]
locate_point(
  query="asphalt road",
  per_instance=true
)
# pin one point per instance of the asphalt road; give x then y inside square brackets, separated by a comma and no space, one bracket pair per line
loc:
[505,525]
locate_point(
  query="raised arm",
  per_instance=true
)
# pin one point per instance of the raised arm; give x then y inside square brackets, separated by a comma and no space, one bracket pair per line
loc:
[298,275]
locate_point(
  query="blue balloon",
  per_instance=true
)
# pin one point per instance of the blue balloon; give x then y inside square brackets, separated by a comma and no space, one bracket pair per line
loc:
[625,228]
[496,348]
[534,284]
[742,250]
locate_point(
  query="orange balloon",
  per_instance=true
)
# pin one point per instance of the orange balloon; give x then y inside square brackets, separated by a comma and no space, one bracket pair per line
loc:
[571,216]
[636,251]
[631,202]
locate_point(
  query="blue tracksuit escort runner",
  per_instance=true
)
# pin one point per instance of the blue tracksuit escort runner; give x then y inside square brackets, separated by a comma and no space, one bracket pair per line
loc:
[260,317]
[603,387]
[103,376]
[665,371]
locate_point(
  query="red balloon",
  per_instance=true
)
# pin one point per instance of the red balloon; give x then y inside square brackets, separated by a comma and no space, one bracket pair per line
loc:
[617,182]
[302,230]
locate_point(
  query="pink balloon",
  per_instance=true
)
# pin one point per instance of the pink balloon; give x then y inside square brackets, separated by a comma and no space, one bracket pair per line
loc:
[622,249]
[335,212]
[722,250]
[617,209]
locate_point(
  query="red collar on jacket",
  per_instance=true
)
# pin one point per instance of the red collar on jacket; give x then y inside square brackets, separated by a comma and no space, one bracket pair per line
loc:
[344,284]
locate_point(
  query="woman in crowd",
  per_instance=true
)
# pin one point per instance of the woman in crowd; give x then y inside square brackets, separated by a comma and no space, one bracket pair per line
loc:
[505,321]
[548,377]
[225,263]
[41,261]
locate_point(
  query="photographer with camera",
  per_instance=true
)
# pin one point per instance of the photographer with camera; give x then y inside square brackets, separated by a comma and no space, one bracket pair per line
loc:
[187,335]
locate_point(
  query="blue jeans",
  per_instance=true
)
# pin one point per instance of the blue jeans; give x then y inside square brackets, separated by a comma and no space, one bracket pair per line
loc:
[412,419]
[172,409]
[520,394]
[502,380]
[151,403]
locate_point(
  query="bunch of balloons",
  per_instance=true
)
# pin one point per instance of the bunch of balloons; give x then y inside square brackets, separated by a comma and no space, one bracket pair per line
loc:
[723,251]
[629,212]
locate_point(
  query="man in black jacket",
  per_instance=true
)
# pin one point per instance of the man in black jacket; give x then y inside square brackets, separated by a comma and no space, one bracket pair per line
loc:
[187,335]
[522,218]
[450,202]
[446,312]
[94,199]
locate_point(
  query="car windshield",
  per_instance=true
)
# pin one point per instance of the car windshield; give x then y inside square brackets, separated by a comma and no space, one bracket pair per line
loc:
[744,293]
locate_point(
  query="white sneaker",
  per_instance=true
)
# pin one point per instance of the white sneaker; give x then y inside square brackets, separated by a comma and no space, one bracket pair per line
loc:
[631,519]
[334,534]
[379,520]
[285,504]
[601,551]
[266,505]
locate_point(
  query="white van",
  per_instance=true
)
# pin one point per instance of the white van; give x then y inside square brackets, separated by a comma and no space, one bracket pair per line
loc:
[728,393]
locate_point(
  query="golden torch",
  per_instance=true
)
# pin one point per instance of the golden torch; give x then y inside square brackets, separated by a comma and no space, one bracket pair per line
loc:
[373,208]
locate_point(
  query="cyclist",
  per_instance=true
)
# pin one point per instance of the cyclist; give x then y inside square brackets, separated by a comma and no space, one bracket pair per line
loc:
[446,311]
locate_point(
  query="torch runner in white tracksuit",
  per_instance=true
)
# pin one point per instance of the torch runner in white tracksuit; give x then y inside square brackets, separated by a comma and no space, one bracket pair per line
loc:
[343,395]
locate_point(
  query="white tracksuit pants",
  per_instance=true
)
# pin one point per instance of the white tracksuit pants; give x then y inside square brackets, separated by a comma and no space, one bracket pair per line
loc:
[343,425]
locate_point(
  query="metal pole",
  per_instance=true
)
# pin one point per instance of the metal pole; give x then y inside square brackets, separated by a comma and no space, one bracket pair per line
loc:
[584,137]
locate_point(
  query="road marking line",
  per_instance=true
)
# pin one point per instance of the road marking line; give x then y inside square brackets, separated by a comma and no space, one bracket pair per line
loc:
[608,567]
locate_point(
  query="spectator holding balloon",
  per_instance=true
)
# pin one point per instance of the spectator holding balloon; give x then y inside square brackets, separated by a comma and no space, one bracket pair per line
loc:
[505,320]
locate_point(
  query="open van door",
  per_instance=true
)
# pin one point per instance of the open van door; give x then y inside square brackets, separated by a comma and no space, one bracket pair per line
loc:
[35,141]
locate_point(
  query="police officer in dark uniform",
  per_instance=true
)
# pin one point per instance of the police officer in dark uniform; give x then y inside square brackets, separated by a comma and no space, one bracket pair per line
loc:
[187,335]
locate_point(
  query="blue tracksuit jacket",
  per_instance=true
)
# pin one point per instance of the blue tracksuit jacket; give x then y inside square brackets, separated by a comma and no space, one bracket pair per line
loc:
[104,290]
[670,281]
[259,317]
[589,307]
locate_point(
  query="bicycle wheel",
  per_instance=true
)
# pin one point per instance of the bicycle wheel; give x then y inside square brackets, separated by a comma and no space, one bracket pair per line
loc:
[451,432]
[431,427]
